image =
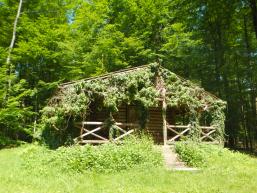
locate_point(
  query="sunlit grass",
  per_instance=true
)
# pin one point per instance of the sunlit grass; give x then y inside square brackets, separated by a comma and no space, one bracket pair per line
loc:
[230,172]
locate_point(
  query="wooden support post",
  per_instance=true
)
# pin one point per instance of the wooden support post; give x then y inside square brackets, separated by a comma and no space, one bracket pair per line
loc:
[164,112]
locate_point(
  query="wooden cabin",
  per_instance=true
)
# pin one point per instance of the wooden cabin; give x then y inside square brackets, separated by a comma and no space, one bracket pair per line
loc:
[164,123]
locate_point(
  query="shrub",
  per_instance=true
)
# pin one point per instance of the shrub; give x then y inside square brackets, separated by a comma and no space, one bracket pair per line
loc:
[133,152]
[190,153]
[199,154]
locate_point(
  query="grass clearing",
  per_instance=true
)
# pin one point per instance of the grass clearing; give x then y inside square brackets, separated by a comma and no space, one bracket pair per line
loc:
[224,171]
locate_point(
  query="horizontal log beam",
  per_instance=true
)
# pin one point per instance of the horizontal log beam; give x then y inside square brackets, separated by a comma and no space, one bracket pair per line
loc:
[92,123]
[186,126]
[94,141]
[207,127]
[101,123]
[179,126]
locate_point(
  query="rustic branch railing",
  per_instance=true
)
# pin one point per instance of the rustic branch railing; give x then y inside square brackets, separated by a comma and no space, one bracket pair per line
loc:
[183,130]
[85,132]
[174,133]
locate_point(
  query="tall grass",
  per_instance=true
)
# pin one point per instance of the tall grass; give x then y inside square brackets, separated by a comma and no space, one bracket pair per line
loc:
[212,157]
[133,152]
[23,170]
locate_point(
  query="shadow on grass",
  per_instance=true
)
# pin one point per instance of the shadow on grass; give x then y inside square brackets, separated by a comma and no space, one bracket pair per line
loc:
[252,153]
[6,142]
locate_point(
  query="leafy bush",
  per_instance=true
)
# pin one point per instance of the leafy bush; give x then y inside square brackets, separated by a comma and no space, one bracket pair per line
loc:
[197,154]
[190,154]
[134,152]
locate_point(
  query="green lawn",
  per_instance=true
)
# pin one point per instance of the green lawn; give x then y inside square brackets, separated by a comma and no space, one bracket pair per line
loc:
[231,173]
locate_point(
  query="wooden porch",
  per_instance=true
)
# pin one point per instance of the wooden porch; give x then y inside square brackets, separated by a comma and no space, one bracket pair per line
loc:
[98,132]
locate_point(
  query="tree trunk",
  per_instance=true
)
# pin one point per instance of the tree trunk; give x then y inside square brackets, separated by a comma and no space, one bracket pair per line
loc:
[241,106]
[8,59]
[250,74]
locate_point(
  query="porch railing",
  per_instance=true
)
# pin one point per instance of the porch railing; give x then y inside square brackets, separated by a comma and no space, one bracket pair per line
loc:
[91,132]
[179,131]
[125,129]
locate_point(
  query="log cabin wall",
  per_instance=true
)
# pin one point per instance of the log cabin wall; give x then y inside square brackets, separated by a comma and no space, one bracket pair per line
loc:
[154,124]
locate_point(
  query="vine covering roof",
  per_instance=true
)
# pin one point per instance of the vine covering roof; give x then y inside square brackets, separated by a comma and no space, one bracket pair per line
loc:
[126,71]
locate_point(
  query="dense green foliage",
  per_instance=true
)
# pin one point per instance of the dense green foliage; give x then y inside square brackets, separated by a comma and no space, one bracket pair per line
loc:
[190,154]
[228,172]
[199,155]
[210,42]
[133,153]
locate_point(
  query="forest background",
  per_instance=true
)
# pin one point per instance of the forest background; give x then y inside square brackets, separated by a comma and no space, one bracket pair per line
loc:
[213,43]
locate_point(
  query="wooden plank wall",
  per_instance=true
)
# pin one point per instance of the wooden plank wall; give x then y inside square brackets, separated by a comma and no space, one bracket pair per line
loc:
[154,125]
